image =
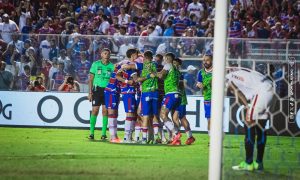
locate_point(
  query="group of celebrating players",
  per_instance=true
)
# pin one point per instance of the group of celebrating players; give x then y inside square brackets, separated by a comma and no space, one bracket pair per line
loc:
[150,91]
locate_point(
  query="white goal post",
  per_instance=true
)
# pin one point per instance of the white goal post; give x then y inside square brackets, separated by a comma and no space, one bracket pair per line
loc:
[220,36]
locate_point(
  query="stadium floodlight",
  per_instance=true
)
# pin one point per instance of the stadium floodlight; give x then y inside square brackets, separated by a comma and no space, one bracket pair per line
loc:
[220,36]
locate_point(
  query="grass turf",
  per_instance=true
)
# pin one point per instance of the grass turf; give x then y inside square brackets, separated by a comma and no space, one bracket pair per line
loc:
[28,153]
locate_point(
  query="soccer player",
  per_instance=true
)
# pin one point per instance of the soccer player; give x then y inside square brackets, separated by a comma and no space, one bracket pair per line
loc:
[172,99]
[205,83]
[99,77]
[149,97]
[161,93]
[256,88]
[112,99]
[180,112]
[128,91]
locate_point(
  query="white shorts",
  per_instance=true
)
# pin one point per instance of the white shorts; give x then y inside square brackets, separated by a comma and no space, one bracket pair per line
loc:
[260,105]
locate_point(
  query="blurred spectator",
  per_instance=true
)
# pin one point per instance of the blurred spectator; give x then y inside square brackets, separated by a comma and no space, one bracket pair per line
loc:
[46,29]
[46,66]
[16,42]
[278,32]
[144,38]
[104,26]
[262,29]
[6,77]
[8,55]
[7,27]
[7,6]
[123,18]
[24,12]
[192,51]
[53,53]
[24,78]
[169,45]
[68,67]
[124,47]
[196,8]
[45,48]
[38,85]
[53,69]
[181,22]
[82,72]
[190,80]
[58,77]
[69,85]
[169,31]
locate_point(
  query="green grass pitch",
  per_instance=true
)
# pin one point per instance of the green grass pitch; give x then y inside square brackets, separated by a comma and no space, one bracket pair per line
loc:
[33,153]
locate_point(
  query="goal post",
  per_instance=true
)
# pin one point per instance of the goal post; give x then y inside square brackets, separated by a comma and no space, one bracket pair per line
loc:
[218,81]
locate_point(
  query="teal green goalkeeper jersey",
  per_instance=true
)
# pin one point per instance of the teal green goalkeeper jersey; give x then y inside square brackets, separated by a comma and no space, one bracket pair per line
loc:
[172,81]
[150,84]
[206,79]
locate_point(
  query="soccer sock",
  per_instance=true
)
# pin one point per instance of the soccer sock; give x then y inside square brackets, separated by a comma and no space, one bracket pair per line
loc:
[112,124]
[161,131]
[170,128]
[93,120]
[208,132]
[145,133]
[261,141]
[132,127]
[189,134]
[104,125]
[169,125]
[137,132]
[155,128]
[127,129]
[249,143]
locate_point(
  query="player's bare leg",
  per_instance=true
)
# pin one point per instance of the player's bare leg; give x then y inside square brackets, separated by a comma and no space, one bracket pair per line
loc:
[166,120]
[186,125]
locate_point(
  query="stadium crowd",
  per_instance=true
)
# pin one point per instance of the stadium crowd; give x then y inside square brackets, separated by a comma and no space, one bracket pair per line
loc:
[56,40]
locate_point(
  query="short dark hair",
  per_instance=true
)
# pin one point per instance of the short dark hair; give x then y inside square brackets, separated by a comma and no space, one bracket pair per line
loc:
[130,52]
[178,60]
[159,56]
[148,54]
[105,49]
[171,55]
[151,27]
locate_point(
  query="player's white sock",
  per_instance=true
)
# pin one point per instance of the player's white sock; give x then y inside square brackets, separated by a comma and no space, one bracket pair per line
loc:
[132,128]
[111,128]
[127,129]
[145,133]
[112,124]
[161,131]
[189,134]
[155,128]
[137,132]
[169,125]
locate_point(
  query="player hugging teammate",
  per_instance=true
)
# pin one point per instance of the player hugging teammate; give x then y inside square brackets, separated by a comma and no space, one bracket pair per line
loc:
[139,76]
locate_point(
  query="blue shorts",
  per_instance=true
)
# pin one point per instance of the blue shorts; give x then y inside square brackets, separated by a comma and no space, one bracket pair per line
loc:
[111,100]
[129,103]
[149,103]
[171,101]
[207,108]
[181,111]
